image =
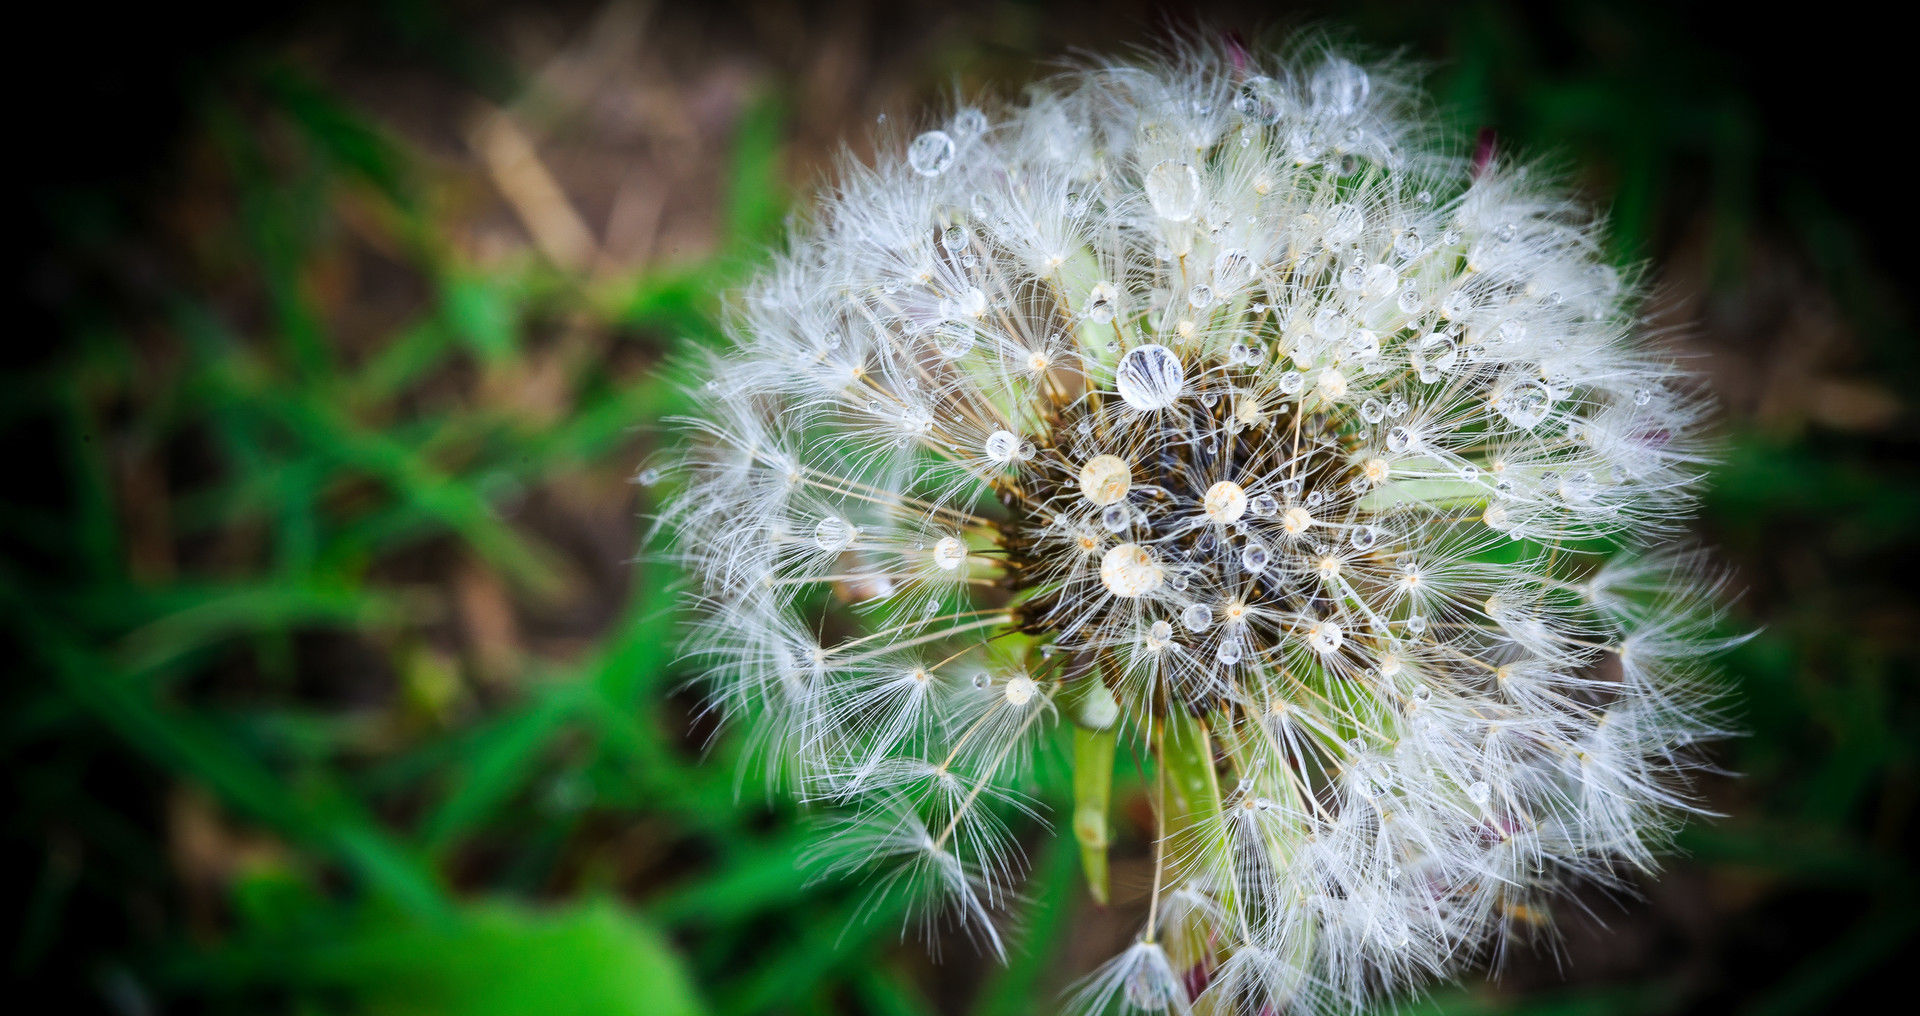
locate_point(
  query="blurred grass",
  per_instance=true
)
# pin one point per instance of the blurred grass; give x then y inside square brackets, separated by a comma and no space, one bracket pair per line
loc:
[340,694]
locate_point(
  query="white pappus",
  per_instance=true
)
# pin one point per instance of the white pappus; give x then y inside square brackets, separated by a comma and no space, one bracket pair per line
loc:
[1206,403]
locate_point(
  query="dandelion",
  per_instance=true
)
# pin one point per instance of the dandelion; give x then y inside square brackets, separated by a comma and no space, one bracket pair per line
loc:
[1205,406]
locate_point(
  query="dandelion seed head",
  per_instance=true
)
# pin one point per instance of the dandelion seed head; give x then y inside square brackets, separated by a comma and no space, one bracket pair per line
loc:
[1212,388]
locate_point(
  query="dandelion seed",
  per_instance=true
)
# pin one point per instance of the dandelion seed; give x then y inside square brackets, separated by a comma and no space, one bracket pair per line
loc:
[1222,348]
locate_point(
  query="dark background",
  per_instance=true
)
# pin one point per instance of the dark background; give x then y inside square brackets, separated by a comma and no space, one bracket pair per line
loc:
[333,686]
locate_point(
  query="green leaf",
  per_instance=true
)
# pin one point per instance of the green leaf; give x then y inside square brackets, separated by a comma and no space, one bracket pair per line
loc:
[497,959]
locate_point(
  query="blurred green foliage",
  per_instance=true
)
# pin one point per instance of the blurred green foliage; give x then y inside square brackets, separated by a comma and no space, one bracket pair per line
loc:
[254,765]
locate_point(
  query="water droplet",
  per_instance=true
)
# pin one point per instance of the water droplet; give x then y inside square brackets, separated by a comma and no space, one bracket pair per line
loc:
[1409,301]
[833,534]
[1416,624]
[1480,792]
[1290,382]
[954,238]
[1105,479]
[1150,377]
[1339,87]
[1197,617]
[1259,99]
[1525,404]
[1422,693]
[1173,188]
[949,552]
[1229,652]
[969,121]
[1129,571]
[648,477]
[1504,232]
[1265,504]
[953,340]
[1232,268]
[1364,537]
[1116,517]
[1373,411]
[1436,354]
[1102,302]
[1399,439]
[1345,221]
[1325,637]
[1001,446]
[931,153]
[1200,296]
[1254,557]
[982,679]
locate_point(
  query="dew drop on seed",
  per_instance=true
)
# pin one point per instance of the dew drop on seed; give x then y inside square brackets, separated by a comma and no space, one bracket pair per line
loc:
[1105,479]
[1160,631]
[954,238]
[1232,268]
[1150,377]
[982,679]
[833,534]
[1373,411]
[1116,517]
[1129,570]
[1364,537]
[1326,637]
[1339,87]
[1173,188]
[1399,439]
[1345,221]
[953,340]
[1290,382]
[648,477]
[1200,296]
[1197,617]
[1001,446]
[1228,653]
[931,153]
[1254,557]
[1525,404]
[1416,624]
[1422,693]
[1259,99]
[1480,792]
[970,121]
[1101,303]
[949,552]
[1409,300]
[1265,504]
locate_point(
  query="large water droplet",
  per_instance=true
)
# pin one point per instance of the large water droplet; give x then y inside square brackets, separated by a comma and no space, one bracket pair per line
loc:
[1339,87]
[1197,617]
[1525,404]
[1150,377]
[931,153]
[833,534]
[1173,188]
[953,340]
[1102,302]
[1002,445]
[949,552]
[1129,570]
[1232,268]
[1260,99]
